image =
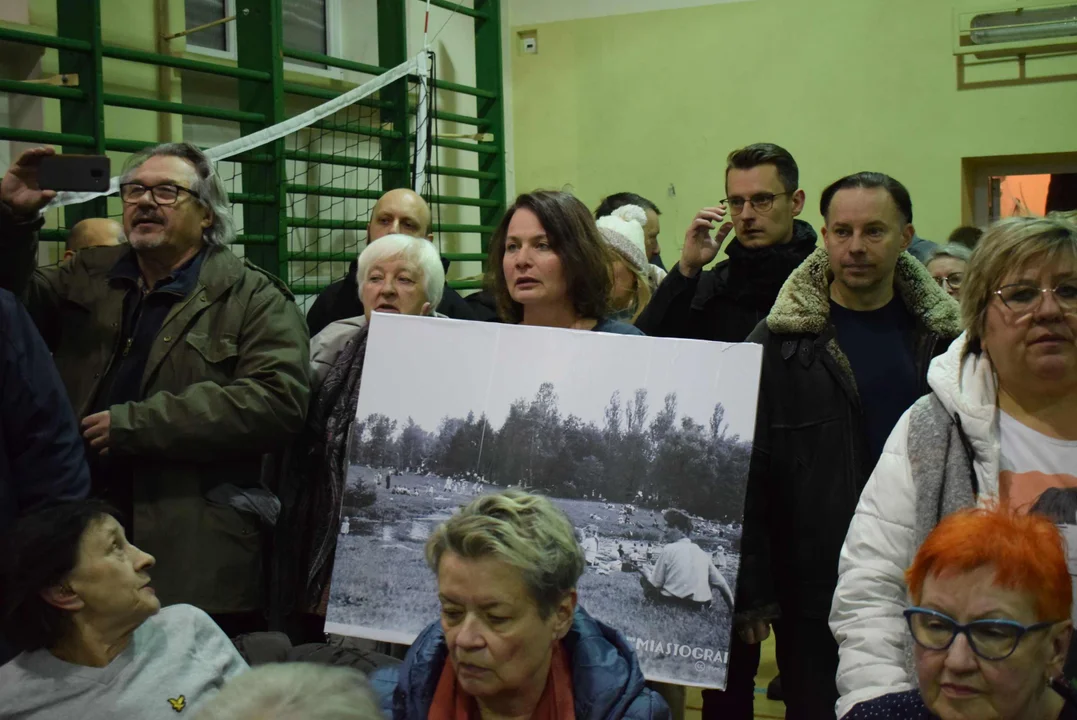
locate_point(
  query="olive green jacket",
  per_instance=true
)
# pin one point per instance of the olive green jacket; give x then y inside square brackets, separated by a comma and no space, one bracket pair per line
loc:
[226,384]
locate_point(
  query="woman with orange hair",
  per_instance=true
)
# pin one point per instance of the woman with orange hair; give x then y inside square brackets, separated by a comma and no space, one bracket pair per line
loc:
[990,621]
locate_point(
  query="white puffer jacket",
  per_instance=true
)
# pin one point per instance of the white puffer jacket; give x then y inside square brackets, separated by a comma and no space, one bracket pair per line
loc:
[865,616]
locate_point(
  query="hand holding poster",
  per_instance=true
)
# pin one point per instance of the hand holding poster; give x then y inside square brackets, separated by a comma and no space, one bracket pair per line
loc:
[643,442]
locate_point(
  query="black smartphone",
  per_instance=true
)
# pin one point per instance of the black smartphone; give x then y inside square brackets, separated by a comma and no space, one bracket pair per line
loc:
[87,173]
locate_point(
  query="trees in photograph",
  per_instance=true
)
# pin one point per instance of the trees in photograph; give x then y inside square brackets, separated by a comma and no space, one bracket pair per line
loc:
[659,459]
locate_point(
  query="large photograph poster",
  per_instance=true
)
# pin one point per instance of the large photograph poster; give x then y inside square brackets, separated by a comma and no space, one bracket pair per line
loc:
[643,442]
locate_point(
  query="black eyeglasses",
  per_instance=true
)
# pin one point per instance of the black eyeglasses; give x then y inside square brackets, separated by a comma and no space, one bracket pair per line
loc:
[761,202]
[165,194]
[990,639]
[1023,299]
[952,281]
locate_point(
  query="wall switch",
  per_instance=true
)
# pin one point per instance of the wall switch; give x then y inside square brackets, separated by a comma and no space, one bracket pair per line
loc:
[528,42]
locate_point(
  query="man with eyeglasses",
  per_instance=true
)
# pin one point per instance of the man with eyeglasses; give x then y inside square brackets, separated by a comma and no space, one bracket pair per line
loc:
[186,364]
[725,303]
[845,353]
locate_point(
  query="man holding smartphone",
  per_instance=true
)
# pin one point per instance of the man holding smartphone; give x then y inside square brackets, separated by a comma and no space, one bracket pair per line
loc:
[186,364]
[726,303]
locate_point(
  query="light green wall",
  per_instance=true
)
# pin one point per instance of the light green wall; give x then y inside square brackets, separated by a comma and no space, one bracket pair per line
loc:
[640,102]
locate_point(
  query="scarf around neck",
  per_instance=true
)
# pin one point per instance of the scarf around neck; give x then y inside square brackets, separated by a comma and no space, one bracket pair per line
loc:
[450,702]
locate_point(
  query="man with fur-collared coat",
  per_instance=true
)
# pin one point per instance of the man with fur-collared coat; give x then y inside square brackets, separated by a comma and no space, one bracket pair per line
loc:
[846,350]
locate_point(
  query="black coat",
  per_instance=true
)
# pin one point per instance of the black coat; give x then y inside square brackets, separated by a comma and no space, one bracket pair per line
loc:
[340,300]
[728,301]
[810,451]
[41,450]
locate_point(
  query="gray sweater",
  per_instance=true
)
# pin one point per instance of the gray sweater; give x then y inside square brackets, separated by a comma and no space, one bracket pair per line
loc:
[175,661]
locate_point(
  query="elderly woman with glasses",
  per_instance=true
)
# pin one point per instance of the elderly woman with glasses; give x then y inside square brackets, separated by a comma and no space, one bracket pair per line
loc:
[990,622]
[947,264]
[512,642]
[1000,423]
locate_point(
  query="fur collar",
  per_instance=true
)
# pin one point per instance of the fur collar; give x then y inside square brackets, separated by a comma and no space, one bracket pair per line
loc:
[803,304]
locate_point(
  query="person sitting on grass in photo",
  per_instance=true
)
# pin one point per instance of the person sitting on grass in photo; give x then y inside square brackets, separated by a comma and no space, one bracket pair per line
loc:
[75,598]
[512,641]
[684,573]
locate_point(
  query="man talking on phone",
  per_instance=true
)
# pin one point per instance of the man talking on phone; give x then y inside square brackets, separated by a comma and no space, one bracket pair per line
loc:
[763,200]
[186,364]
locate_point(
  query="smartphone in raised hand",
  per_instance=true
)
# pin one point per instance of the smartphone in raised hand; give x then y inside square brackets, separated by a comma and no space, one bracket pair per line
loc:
[82,173]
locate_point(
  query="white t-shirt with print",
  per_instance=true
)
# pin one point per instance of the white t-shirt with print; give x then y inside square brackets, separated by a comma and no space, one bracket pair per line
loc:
[1039,473]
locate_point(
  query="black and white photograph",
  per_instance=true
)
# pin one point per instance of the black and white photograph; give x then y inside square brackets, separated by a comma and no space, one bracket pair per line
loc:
[643,442]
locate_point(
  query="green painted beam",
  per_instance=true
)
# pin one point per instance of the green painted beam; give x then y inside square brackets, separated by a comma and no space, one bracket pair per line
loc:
[80,20]
[181,63]
[460,172]
[53,234]
[49,41]
[294,88]
[153,105]
[458,200]
[324,191]
[464,89]
[457,228]
[252,198]
[455,117]
[323,256]
[38,90]
[46,138]
[260,40]
[334,62]
[465,257]
[488,76]
[458,8]
[393,50]
[357,129]
[475,147]
[327,159]
[325,224]
[252,239]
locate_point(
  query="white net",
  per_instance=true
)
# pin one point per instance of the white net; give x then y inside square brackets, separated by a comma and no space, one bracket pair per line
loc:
[302,190]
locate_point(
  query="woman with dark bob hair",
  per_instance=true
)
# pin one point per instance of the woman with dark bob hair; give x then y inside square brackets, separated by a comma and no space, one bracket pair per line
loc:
[75,598]
[512,641]
[550,267]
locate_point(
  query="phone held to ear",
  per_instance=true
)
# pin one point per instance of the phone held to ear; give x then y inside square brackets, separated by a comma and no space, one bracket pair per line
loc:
[82,173]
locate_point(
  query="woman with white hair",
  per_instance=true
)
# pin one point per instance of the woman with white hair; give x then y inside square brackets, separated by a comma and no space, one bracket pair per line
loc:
[512,642]
[633,283]
[396,274]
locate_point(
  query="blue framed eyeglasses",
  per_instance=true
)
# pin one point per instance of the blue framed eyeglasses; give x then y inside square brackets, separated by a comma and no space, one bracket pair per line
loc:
[990,639]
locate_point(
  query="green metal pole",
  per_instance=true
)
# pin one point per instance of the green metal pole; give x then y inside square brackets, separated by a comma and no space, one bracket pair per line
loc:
[393,50]
[490,110]
[80,20]
[259,35]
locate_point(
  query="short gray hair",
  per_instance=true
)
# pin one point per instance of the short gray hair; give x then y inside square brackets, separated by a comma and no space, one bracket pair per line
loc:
[294,691]
[211,191]
[953,250]
[525,531]
[420,252]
